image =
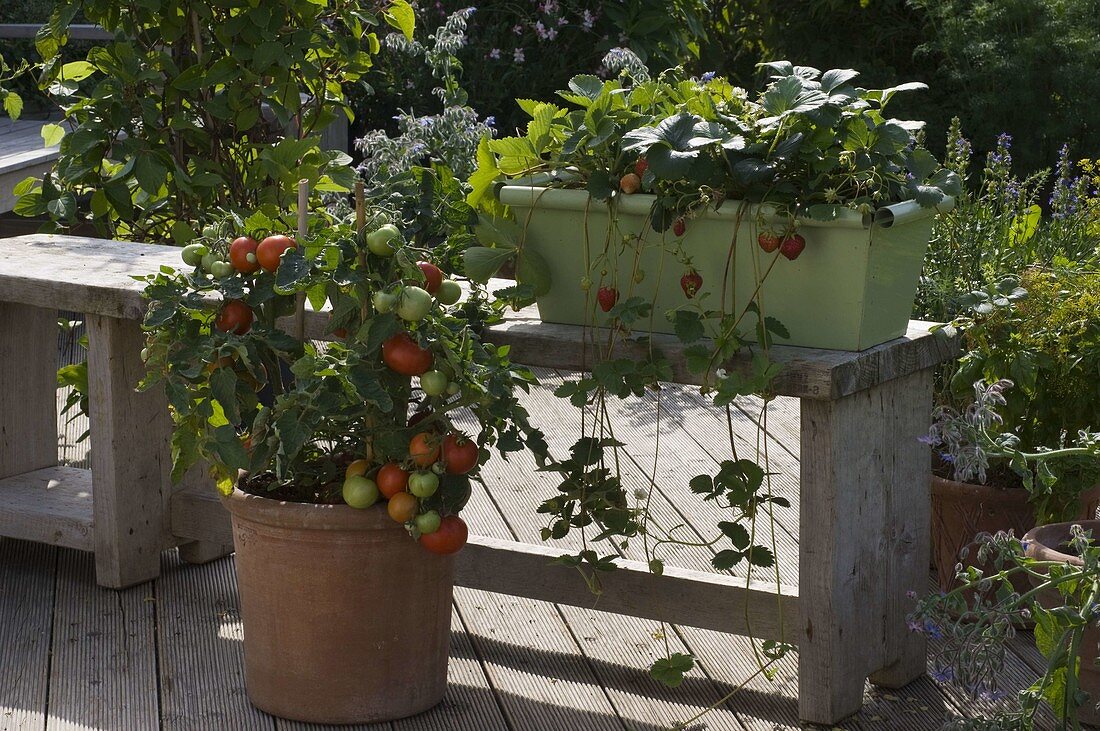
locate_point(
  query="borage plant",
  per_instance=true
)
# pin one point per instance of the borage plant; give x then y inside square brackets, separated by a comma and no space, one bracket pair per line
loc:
[974,622]
[374,413]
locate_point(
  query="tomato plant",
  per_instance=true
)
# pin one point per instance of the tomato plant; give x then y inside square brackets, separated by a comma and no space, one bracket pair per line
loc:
[331,424]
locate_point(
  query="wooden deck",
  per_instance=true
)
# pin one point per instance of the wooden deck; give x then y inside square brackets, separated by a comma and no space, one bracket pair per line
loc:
[22,155]
[168,654]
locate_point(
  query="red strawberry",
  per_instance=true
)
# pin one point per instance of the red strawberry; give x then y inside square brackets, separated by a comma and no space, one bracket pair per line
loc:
[768,241]
[641,166]
[678,227]
[691,282]
[792,246]
[607,297]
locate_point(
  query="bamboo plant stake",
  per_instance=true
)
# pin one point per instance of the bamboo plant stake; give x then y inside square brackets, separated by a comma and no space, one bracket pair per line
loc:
[360,226]
[303,229]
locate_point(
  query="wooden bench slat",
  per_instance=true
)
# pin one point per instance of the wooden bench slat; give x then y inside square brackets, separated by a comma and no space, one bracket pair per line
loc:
[94,276]
[51,505]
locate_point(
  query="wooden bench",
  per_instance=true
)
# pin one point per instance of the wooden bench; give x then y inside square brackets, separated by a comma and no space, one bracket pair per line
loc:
[865,478]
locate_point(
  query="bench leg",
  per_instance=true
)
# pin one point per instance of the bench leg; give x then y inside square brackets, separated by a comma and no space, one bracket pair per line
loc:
[28,389]
[130,456]
[908,406]
[199,552]
[840,567]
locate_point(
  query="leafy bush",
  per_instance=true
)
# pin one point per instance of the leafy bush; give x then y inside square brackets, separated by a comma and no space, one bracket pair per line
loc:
[1048,344]
[188,112]
[528,49]
[1022,66]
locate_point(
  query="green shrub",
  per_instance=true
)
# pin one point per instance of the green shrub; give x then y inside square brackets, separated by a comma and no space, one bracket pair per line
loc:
[527,49]
[1048,344]
[1026,67]
[198,107]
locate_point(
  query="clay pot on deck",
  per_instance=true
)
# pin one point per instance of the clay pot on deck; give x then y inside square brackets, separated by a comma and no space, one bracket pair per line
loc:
[346,618]
[1044,544]
[961,510]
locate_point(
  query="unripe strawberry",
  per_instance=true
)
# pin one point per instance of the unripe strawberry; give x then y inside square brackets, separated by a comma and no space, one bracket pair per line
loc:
[630,183]
[607,297]
[792,246]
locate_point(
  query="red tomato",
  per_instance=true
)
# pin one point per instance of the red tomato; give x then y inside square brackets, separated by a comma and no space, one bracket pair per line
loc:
[459,454]
[238,254]
[392,479]
[432,275]
[450,537]
[402,354]
[235,316]
[270,250]
[424,449]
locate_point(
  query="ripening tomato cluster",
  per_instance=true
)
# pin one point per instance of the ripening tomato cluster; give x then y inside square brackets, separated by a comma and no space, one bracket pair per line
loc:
[246,256]
[434,455]
[408,485]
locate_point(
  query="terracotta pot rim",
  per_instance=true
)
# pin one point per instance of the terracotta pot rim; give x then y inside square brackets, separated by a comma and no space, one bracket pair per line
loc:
[1056,533]
[306,516]
[1009,495]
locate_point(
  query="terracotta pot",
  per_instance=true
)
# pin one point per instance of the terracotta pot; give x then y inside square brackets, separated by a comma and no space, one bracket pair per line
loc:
[960,511]
[1043,544]
[346,618]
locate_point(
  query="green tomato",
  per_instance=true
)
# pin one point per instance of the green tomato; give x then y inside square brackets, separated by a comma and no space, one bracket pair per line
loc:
[193,253]
[423,484]
[208,260]
[453,389]
[433,383]
[209,232]
[380,241]
[449,292]
[360,492]
[428,522]
[221,269]
[414,305]
[384,301]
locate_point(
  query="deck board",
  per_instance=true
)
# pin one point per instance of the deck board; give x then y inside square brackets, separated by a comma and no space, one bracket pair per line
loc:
[27,579]
[103,669]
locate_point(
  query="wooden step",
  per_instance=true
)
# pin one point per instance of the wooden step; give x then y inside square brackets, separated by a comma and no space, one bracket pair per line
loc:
[51,505]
